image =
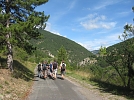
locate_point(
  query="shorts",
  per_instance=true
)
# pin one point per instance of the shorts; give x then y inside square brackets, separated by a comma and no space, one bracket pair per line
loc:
[63,72]
[45,72]
[55,71]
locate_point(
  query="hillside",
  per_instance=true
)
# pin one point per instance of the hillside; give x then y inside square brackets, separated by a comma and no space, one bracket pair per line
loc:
[119,45]
[50,44]
[16,85]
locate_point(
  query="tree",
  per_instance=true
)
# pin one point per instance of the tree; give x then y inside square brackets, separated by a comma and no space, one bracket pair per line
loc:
[128,53]
[18,25]
[102,51]
[62,55]
[122,58]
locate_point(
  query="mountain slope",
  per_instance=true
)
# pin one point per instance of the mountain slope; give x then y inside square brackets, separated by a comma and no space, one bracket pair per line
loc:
[120,45]
[52,42]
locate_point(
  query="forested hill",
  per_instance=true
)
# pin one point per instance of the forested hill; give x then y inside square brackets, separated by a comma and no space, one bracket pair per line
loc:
[51,43]
[120,45]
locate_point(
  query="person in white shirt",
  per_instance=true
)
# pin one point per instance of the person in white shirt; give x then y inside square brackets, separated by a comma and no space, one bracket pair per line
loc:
[63,69]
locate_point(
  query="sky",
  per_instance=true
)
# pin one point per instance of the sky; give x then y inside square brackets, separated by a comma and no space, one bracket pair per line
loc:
[90,23]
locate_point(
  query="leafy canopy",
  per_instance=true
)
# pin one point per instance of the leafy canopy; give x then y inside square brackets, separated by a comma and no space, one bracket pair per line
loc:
[22,21]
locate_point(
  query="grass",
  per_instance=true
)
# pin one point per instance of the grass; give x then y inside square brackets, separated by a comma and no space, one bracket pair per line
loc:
[6,83]
[81,76]
[1,86]
[84,77]
[16,85]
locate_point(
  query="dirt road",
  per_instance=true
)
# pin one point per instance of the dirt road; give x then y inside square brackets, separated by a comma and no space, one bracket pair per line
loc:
[59,90]
[68,89]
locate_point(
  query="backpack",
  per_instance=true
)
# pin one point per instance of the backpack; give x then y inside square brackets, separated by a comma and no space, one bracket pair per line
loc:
[39,67]
[54,65]
[63,66]
[44,66]
[50,66]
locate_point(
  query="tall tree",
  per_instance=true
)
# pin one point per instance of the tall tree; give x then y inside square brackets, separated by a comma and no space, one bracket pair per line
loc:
[128,51]
[102,51]
[122,58]
[62,55]
[18,24]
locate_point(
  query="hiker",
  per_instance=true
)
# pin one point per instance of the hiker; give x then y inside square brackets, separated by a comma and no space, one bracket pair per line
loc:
[44,69]
[63,69]
[51,69]
[48,69]
[39,70]
[55,66]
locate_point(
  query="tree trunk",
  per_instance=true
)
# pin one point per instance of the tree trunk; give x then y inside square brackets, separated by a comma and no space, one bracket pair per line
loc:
[9,49]
[129,71]
[9,46]
[128,84]
[9,56]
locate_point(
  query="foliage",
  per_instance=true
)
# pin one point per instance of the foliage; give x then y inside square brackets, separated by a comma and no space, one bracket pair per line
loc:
[101,59]
[18,24]
[23,19]
[119,60]
[62,55]
[102,51]
[101,62]
[50,44]
[121,56]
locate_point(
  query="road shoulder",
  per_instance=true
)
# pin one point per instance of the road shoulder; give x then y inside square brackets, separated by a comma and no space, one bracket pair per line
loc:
[93,92]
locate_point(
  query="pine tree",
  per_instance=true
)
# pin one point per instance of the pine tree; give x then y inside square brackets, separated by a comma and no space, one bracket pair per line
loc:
[102,51]
[18,24]
[62,55]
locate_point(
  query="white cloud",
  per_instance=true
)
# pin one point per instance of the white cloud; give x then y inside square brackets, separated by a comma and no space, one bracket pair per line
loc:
[125,13]
[107,25]
[66,10]
[48,28]
[97,43]
[105,3]
[94,21]
[71,5]
[94,44]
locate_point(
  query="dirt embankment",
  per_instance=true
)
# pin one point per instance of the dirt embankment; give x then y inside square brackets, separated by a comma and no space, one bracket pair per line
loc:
[12,88]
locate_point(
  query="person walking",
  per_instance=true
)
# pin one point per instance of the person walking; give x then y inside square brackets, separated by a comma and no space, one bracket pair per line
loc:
[55,66]
[48,71]
[44,69]
[63,69]
[39,70]
[51,69]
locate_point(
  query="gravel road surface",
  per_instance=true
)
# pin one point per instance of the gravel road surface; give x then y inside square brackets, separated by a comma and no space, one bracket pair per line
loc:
[67,89]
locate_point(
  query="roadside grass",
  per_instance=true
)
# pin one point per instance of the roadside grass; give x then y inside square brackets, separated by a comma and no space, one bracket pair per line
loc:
[16,85]
[24,71]
[116,90]
[86,78]
[81,76]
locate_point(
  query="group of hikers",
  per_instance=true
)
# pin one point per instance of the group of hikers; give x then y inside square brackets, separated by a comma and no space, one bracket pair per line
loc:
[50,70]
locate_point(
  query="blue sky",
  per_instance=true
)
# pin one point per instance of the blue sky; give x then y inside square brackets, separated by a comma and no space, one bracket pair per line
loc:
[91,23]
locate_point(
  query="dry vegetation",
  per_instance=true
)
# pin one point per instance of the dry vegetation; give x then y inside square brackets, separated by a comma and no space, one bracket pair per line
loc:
[16,85]
[12,88]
